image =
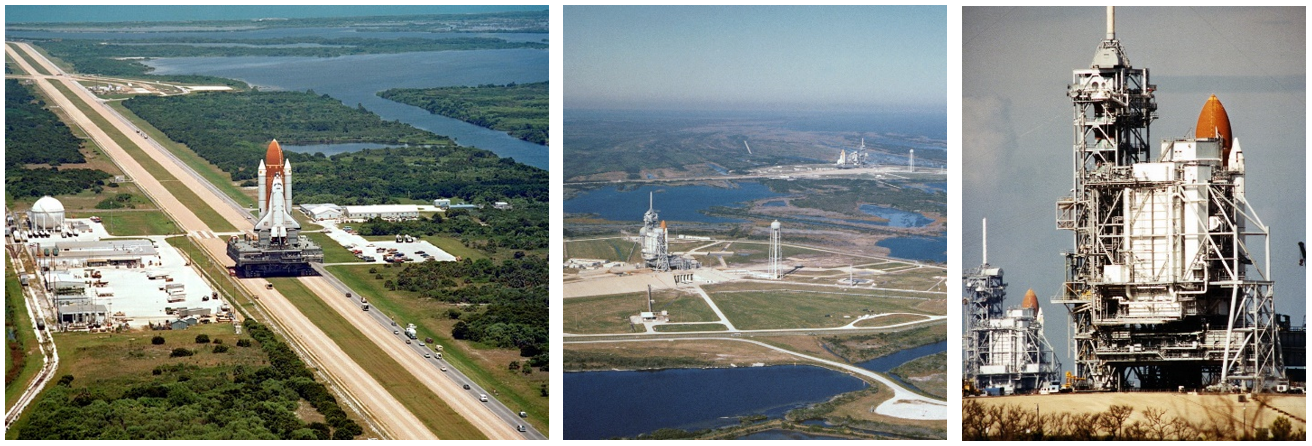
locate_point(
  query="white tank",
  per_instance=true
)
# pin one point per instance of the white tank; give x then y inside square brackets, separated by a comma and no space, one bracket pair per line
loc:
[46,213]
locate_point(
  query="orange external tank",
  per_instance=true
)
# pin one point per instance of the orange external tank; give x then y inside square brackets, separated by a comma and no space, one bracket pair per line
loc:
[1213,122]
[273,163]
[1031,300]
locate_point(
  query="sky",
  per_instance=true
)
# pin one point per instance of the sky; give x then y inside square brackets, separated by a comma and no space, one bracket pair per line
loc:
[755,58]
[70,13]
[1016,129]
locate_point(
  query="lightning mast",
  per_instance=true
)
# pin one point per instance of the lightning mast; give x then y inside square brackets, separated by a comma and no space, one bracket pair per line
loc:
[775,252]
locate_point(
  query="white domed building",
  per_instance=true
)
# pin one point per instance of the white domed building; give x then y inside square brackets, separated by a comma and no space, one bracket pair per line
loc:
[46,213]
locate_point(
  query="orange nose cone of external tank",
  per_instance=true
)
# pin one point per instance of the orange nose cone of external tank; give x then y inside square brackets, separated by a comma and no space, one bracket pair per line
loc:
[1213,122]
[1031,300]
[273,157]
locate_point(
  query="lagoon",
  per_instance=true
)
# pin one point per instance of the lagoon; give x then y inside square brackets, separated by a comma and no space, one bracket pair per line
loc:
[354,80]
[600,405]
[674,203]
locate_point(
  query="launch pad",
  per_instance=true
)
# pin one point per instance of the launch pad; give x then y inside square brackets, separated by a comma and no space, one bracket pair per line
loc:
[276,247]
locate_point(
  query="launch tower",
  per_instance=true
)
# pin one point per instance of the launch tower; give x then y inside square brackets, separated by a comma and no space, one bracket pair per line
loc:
[1160,286]
[776,254]
[654,237]
[276,247]
[1005,352]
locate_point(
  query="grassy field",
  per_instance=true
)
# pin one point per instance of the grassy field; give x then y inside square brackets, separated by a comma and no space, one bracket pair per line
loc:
[203,210]
[206,170]
[683,307]
[35,66]
[454,247]
[891,319]
[602,314]
[928,373]
[13,66]
[118,360]
[667,355]
[22,327]
[486,366]
[754,310]
[679,328]
[863,347]
[746,252]
[612,249]
[855,411]
[131,221]
[333,252]
[440,418]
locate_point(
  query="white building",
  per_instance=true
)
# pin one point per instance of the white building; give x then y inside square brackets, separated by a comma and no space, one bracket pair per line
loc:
[46,213]
[383,211]
[322,212]
[442,203]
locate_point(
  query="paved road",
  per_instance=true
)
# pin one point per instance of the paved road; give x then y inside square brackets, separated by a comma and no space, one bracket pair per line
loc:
[397,422]
[903,398]
[240,218]
[844,330]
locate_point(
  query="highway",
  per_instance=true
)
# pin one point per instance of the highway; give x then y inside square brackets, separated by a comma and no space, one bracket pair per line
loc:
[396,421]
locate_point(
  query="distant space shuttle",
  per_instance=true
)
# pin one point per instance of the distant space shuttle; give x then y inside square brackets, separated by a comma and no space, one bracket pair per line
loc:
[275,195]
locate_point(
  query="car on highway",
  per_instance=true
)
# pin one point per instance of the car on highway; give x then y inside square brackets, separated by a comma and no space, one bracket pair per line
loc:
[482,397]
[443,368]
[521,428]
[427,356]
[466,386]
[523,414]
[407,341]
[396,332]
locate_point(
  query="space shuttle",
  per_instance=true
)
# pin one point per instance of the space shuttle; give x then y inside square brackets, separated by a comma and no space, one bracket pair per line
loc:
[275,196]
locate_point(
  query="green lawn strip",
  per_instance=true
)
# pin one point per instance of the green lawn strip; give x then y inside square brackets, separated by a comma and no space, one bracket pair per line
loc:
[14,68]
[206,170]
[436,415]
[53,60]
[35,66]
[131,222]
[601,314]
[676,328]
[615,249]
[22,327]
[454,247]
[684,307]
[333,252]
[515,392]
[778,309]
[203,210]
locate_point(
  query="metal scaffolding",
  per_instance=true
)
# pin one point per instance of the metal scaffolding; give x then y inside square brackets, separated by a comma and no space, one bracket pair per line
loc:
[1161,288]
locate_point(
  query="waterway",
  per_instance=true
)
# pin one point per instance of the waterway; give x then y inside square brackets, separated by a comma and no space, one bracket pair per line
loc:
[601,405]
[896,217]
[354,80]
[928,249]
[675,203]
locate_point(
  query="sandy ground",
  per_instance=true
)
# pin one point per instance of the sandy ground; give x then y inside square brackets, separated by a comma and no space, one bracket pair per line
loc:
[1195,408]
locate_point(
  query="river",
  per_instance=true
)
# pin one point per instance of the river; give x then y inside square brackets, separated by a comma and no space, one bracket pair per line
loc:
[356,80]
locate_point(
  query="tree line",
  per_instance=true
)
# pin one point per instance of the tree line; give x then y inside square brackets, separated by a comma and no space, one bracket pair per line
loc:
[511,297]
[34,135]
[522,110]
[232,131]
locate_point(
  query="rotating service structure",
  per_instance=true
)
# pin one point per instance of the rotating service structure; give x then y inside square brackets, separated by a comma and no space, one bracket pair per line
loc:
[1161,287]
